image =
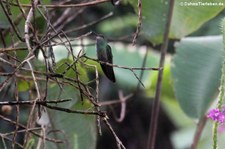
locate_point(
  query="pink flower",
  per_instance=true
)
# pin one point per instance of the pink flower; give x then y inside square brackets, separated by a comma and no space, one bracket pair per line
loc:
[214,114]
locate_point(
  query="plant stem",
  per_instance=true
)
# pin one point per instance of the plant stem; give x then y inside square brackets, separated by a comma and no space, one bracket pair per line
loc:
[222,90]
[201,125]
[156,102]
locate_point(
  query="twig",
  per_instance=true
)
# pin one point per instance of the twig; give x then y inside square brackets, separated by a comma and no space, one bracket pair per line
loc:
[125,67]
[102,114]
[21,9]
[20,131]
[129,68]
[11,22]
[29,56]
[17,115]
[9,139]
[97,97]
[122,101]
[31,130]
[142,71]
[156,102]
[119,143]
[65,5]
[139,22]
[3,142]
[90,24]
[106,103]
[2,39]
[30,102]
[3,50]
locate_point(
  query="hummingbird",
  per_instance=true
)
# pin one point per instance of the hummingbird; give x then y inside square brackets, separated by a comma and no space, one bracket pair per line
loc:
[104,54]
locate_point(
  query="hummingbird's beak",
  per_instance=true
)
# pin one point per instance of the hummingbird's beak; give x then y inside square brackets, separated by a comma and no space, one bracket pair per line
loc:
[94,33]
[97,35]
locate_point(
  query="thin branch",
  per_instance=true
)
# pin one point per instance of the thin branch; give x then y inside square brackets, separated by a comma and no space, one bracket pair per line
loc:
[11,22]
[138,29]
[156,102]
[21,9]
[107,103]
[17,115]
[125,67]
[31,130]
[122,101]
[102,114]
[29,57]
[129,68]
[65,5]
[118,141]
[90,24]
[30,102]
[9,139]
[142,71]
[97,97]
[3,50]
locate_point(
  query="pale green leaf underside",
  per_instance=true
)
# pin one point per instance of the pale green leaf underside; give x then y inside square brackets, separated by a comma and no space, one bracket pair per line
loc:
[196,72]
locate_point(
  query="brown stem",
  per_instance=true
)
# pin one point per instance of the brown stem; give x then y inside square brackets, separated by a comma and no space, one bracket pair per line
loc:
[198,132]
[156,102]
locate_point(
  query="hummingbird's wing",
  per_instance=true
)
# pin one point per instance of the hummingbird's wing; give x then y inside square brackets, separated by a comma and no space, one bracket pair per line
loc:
[108,70]
[109,54]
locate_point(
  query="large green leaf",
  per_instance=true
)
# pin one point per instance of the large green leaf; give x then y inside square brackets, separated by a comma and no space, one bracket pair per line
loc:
[77,130]
[186,19]
[196,72]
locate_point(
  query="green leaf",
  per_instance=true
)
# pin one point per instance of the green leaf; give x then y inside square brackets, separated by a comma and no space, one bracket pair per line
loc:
[196,72]
[23,86]
[63,66]
[30,143]
[63,92]
[185,19]
[209,29]
[67,67]
[78,130]
[223,31]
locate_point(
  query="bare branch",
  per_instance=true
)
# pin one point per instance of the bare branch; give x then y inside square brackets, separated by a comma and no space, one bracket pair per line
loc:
[64,5]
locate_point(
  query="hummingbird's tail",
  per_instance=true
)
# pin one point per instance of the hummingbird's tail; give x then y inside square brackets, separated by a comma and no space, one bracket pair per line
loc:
[108,71]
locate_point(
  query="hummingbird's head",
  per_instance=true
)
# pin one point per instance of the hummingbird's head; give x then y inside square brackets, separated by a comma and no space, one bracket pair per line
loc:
[97,35]
[100,39]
